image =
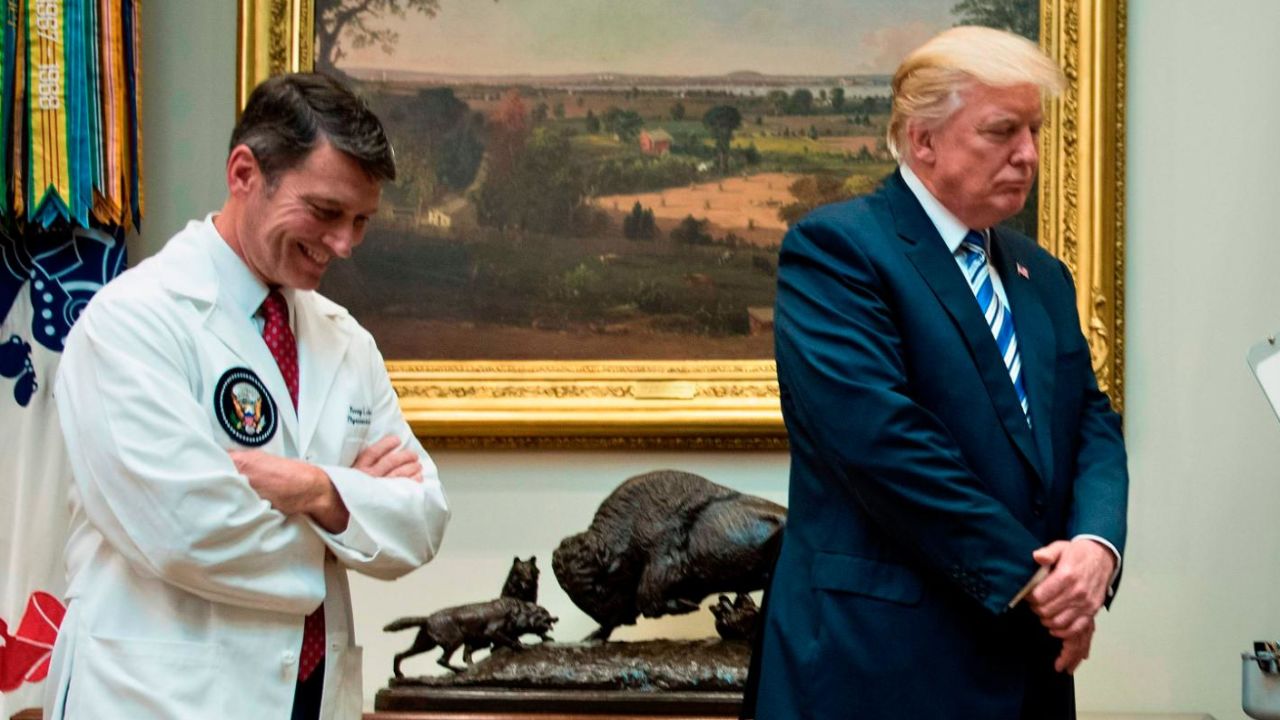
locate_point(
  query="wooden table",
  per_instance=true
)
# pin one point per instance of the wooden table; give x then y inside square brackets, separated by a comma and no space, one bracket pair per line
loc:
[553,716]
[34,714]
[523,716]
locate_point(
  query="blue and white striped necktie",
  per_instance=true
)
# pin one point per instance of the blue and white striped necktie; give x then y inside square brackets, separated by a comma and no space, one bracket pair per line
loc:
[999,318]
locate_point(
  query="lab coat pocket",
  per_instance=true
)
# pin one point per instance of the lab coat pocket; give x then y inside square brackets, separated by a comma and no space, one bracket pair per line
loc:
[148,678]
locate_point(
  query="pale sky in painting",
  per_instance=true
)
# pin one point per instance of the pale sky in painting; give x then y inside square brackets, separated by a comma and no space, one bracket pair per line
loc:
[662,37]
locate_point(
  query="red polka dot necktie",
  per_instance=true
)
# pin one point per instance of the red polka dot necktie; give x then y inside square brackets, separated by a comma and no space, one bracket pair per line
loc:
[284,348]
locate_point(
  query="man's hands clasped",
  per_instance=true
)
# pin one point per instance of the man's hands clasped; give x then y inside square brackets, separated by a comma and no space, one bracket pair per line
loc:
[1072,594]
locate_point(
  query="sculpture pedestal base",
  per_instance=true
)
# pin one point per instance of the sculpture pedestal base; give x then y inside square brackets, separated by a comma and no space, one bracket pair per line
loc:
[501,703]
[654,678]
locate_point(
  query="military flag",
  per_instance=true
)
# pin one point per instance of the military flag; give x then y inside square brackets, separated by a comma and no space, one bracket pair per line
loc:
[70,189]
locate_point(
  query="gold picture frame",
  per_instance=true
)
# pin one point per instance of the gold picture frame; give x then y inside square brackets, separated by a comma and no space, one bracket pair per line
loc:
[721,404]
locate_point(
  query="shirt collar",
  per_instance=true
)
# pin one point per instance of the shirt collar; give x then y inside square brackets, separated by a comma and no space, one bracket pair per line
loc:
[239,286]
[948,225]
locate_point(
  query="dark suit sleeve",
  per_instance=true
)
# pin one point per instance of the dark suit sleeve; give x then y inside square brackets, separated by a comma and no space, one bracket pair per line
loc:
[846,393]
[1100,489]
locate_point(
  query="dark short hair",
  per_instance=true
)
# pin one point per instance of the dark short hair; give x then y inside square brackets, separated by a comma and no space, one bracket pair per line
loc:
[287,116]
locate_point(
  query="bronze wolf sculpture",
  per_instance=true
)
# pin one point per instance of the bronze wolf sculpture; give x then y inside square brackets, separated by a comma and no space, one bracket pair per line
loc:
[473,627]
[522,580]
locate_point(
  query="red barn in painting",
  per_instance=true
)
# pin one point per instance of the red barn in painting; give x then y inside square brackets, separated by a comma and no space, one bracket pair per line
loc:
[657,142]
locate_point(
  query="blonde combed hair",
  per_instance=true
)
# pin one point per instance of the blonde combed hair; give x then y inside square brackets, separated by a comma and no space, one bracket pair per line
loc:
[929,81]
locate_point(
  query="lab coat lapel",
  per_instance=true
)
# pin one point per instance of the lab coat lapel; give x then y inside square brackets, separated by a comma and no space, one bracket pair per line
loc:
[242,338]
[191,275]
[322,345]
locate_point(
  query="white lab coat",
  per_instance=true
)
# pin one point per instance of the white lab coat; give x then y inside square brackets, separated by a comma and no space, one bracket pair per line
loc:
[188,591]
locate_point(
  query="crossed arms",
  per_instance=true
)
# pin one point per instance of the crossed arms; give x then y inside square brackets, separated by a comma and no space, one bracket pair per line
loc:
[246,529]
[296,487]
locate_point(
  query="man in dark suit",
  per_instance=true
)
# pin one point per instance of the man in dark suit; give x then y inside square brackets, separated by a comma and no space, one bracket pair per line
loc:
[958,482]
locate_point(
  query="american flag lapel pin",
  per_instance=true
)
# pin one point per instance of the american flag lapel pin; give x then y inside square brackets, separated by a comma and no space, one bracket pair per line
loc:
[1022,270]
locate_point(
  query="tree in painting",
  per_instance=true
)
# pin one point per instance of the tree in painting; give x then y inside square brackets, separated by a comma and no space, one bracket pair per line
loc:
[439,145]
[721,121]
[361,22]
[1018,16]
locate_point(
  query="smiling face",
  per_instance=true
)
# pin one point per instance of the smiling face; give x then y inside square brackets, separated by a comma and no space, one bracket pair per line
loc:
[287,232]
[980,162]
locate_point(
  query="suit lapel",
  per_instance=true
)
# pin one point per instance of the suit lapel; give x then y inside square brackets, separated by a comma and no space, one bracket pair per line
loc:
[322,345]
[938,267]
[1037,344]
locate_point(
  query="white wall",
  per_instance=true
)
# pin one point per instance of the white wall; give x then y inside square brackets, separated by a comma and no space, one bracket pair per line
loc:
[1203,563]
[188,86]
[1204,552]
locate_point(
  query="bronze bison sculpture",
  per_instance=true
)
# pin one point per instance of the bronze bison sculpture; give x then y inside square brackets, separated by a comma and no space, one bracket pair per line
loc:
[661,543]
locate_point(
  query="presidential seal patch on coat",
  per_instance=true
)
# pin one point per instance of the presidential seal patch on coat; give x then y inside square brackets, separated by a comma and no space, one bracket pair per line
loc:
[244,407]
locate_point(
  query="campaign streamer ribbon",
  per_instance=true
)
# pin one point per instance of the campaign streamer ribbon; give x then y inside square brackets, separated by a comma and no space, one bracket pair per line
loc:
[18,137]
[79,164]
[133,101]
[111,199]
[49,174]
[70,113]
[93,58]
[10,15]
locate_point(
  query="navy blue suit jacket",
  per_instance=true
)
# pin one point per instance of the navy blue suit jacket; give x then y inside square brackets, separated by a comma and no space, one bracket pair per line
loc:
[918,492]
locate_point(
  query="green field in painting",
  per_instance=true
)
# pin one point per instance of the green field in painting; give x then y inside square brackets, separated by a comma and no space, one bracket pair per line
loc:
[514,210]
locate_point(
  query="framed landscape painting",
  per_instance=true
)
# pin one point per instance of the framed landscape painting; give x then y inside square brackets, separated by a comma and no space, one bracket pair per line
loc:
[581,246]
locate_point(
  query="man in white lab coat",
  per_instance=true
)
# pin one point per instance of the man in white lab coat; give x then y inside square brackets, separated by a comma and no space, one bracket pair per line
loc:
[237,445]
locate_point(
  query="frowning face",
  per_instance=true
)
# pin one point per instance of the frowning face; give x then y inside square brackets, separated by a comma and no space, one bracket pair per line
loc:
[980,163]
